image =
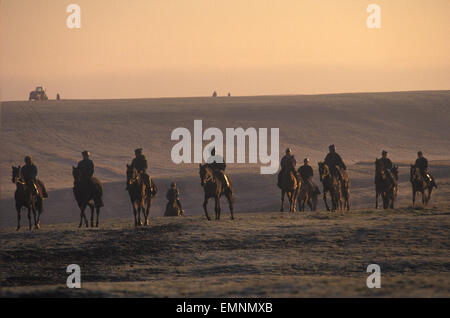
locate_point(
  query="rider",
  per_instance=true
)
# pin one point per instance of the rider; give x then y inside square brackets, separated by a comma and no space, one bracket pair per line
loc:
[29,174]
[422,164]
[140,163]
[306,173]
[387,164]
[174,195]
[333,160]
[218,165]
[86,166]
[287,164]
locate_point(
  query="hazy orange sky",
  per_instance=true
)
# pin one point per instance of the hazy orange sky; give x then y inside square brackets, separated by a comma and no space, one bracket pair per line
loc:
[146,48]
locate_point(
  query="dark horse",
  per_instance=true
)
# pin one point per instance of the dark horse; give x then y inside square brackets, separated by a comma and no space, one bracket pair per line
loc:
[308,195]
[330,184]
[214,188]
[385,186]
[26,197]
[87,193]
[290,184]
[140,195]
[419,184]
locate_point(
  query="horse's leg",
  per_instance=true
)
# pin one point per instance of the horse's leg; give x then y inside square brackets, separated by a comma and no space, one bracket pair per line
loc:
[423,197]
[413,197]
[92,214]
[147,214]
[430,189]
[217,207]
[205,204]
[18,217]
[282,201]
[33,208]
[97,208]
[39,210]
[377,194]
[325,200]
[230,204]
[29,218]
[135,213]
[83,216]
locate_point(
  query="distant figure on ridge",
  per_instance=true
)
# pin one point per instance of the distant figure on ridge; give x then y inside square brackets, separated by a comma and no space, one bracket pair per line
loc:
[214,94]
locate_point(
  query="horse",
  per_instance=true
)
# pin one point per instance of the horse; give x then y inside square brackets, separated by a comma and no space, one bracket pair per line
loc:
[330,184]
[87,193]
[290,185]
[26,197]
[140,195]
[308,194]
[214,188]
[419,184]
[385,186]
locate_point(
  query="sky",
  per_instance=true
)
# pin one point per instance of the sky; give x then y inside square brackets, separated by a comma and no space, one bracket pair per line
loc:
[171,48]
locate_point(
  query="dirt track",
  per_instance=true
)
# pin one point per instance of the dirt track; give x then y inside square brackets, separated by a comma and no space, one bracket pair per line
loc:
[260,254]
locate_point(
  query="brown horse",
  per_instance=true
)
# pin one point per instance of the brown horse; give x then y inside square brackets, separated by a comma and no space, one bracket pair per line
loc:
[330,184]
[385,186]
[214,188]
[308,195]
[419,184]
[87,193]
[290,185]
[26,197]
[140,195]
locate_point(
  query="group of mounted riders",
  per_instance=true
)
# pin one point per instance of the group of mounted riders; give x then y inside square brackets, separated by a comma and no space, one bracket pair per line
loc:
[297,184]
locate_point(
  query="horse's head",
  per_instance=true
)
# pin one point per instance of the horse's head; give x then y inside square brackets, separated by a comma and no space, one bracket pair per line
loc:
[132,174]
[16,174]
[415,174]
[394,171]
[324,170]
[205,174]
[379,168]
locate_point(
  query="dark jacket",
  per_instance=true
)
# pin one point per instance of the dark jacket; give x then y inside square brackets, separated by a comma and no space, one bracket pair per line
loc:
[387,163]
[306,172]
[29,172]
[422,164]
[172,195]
[333,159]
[140,163]
[288,163]
[86,167]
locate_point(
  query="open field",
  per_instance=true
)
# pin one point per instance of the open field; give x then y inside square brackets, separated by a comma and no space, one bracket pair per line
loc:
[262,252]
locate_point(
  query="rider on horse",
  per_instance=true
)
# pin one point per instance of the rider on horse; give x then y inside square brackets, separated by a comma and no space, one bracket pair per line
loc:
[333,161]
[287,164]
[218,165]
[387,165]
[173,195]
[422,164]
[29,174]
[140,163]
[86,167]
[306,174]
